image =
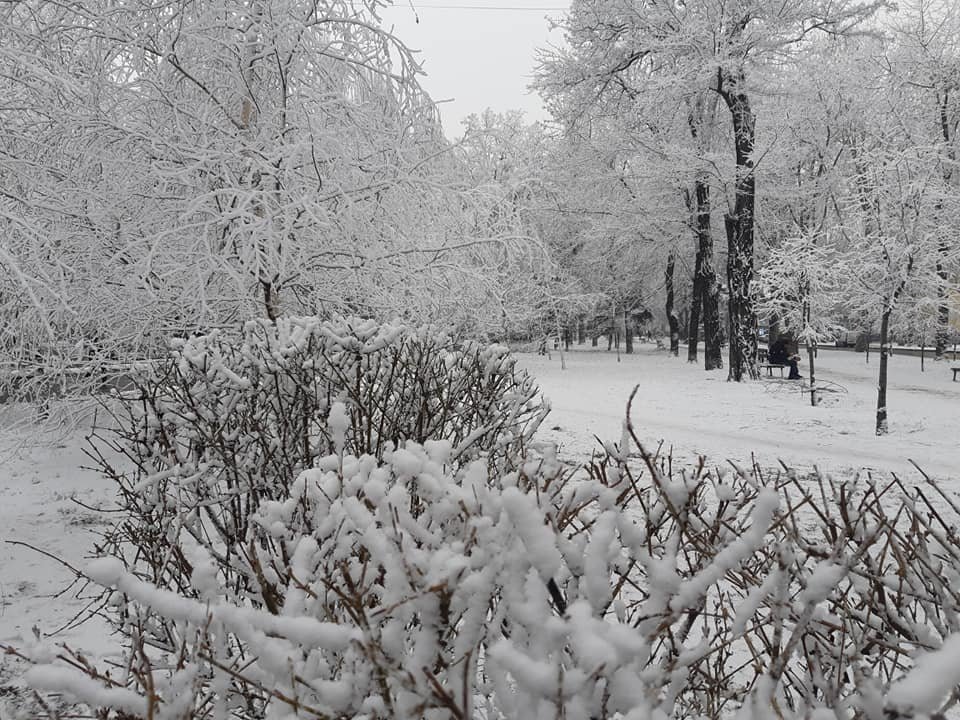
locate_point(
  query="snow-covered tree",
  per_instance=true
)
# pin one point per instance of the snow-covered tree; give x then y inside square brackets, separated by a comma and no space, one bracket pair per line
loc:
[895,238]
[799,287]
[923,61]
[620,56]
[175,167]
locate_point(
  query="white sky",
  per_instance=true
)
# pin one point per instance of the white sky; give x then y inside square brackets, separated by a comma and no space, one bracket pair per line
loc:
[477,54]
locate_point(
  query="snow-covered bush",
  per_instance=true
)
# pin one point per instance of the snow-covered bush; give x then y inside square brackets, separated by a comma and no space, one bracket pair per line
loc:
[411,585]
[225,425]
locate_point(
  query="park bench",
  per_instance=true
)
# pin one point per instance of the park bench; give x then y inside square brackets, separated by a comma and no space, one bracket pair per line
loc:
[770,367]
[955,370]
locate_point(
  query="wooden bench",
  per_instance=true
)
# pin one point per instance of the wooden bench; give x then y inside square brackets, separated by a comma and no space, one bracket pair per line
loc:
[770,367]
[955,371]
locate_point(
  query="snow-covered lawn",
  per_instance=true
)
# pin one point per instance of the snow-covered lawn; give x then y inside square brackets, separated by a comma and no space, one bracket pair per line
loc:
[693,411]
[43,491]
[697,412]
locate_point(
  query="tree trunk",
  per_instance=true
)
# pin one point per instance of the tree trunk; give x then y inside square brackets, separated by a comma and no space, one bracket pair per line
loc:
[561,345]
[693,329]
[271,301]
[709,298]
[705,304]
[888,307]
[739,225]
[250,56]
[942,338]
[806,313]
[741,324]
[944,247]
[696,297]
[811,356]
[627,334]
[712,327]
[882,380]
[671,315]
[618,328]
[581,331]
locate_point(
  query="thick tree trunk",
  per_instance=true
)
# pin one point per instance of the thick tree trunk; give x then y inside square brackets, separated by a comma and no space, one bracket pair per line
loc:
[712,329]
[739,225]
[581,331]
[709,298]
[882,380]
[671,315]
[741,318]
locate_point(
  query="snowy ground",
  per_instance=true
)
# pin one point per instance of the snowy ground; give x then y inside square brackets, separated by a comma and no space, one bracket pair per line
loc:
[695,412]
[698,412]
[43,491]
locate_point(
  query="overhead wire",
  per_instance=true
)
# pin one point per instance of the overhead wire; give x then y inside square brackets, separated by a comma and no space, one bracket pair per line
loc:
[498,8]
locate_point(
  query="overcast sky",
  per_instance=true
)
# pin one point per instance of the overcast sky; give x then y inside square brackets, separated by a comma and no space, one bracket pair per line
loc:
[476,53]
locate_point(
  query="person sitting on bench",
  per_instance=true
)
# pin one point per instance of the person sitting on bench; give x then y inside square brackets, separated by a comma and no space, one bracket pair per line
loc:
[780,355]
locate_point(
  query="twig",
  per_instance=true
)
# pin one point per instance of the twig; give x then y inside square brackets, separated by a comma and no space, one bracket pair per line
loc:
[60,560]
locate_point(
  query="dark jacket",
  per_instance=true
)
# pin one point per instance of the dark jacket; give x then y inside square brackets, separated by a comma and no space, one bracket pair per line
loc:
[779,354]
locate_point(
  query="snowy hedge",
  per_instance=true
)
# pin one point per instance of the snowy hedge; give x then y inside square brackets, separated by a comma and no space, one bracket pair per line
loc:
[412,582]
[227,424]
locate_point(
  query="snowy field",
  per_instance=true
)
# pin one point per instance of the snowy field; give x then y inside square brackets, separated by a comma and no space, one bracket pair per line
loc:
[700,413]
[44,489]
